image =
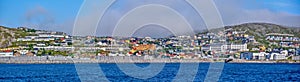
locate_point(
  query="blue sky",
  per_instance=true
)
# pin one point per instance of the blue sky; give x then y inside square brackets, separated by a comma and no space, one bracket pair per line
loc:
[13,12]
[288,6]
[51,14]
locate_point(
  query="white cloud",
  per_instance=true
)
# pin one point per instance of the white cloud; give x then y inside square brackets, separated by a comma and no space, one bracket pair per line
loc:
[233,13]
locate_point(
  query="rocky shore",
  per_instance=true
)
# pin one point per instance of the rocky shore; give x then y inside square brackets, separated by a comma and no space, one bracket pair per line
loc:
[124,59]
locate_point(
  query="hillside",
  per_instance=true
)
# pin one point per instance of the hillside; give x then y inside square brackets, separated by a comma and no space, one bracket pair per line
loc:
[259,30]
[9,36]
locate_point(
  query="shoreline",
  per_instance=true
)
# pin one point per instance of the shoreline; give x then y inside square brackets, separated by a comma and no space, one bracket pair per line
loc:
[155,62]
[104,60]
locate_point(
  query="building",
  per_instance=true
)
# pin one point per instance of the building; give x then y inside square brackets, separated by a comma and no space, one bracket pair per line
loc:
[259,56]
[246,55]
[6,54]
[237,47]
[281,37]
[222,48]
[279,56]
[297,52]
[286,40]
[218,48]
[296,58]
[23,52]
[44,38]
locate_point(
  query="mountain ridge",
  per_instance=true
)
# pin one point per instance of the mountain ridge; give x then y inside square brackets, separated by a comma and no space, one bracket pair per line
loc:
[261,29]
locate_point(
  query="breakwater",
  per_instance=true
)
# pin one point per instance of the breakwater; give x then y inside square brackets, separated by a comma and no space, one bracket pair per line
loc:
[115,59]
[102,59]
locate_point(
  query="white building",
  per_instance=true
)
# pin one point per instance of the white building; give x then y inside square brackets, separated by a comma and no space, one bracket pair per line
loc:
[51,35]
[259,56]
[23,52]
[296,58]
[238,47]
[279,56]
[219,48]
[6,54]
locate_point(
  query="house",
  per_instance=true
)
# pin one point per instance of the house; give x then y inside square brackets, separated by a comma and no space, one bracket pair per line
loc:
[279,56]
[23,52]
[246,55]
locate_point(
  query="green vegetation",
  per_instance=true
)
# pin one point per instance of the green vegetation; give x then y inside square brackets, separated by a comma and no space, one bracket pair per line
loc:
[44,52]
[260,30]
[5,43]
[9,35]
[6,35]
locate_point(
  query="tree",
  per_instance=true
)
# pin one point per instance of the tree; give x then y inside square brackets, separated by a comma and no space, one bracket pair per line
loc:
[30,47]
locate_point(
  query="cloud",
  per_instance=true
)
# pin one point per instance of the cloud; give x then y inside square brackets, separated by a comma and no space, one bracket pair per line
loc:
[233,12]
[120,8]
[42,19]
[39,18]
[156,32]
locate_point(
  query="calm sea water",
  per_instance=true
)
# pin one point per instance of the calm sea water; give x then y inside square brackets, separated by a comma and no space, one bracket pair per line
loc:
[231,72]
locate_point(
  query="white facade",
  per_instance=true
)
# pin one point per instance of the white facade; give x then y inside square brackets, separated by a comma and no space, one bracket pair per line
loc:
[23,52]
[260,56]
[6,54]
[35,39]
[224,48]
[296,58]
[50,35]
[239,47]
[278,56]
[41,37]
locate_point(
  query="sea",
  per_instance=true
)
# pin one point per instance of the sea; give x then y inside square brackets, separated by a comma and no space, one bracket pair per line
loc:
[245,72]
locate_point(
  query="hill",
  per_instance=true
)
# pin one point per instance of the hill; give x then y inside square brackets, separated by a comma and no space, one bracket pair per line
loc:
[9,36]
[259,30]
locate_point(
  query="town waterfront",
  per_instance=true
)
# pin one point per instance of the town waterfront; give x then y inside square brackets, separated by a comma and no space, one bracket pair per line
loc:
[149,41]
[231,72]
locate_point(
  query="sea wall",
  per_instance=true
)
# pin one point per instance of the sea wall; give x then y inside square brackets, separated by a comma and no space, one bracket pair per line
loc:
[103,59]
[117,59]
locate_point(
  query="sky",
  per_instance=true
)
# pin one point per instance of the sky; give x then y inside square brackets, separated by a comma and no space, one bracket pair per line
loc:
[60,15]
